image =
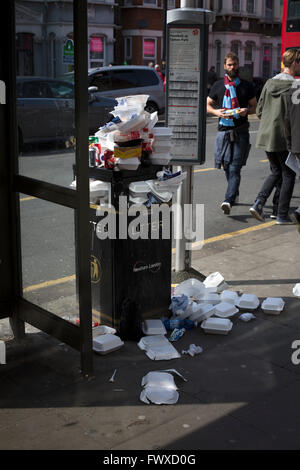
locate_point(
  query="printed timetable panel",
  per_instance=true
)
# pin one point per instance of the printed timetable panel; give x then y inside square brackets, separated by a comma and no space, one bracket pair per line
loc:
[183,91]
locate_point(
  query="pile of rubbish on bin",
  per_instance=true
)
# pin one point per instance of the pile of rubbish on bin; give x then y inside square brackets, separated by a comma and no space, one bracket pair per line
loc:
[130,139]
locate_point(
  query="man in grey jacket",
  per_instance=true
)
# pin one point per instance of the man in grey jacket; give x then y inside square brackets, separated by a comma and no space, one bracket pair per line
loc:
[271,110]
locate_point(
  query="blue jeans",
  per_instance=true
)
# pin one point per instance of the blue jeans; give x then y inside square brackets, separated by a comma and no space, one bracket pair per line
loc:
[232,154]
[233,176]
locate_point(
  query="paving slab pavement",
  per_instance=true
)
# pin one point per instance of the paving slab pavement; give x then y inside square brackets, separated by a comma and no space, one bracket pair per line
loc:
[241,391]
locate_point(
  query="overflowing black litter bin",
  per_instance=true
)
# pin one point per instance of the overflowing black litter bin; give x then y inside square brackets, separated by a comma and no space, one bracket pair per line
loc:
[126,273]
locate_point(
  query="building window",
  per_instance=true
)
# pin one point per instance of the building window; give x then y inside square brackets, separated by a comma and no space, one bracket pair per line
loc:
[269,9]
[236,5]
[250,6]
[96,51]
[171,4]
[249,52]
[127,2]
[218,57]
[149,49]
[235,47]
[267,61]
[128,48]
[220,5]
[150,2]
[24,53]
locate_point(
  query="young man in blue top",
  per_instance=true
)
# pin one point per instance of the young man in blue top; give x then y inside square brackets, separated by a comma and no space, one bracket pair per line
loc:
[231,100]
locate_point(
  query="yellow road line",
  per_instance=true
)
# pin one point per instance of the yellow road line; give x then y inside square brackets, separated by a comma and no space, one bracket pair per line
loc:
[224,236]
[264,161]
[204,169]
[27,198]
[42,285]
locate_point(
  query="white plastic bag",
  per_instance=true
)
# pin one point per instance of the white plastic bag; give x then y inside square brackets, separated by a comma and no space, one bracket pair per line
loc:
[191,288]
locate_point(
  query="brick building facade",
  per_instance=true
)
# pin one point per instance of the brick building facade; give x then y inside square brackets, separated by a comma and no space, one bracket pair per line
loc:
[252,28]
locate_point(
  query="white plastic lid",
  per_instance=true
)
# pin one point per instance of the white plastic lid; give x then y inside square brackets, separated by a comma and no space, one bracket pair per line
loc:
[247,301]
[139,187]
[153,327]
[220,324]
[229,296]
[273,303]
[213,280]
[225,310]
[107,342]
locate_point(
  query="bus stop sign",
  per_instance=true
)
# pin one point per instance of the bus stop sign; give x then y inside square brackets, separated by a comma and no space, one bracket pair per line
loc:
[187,45]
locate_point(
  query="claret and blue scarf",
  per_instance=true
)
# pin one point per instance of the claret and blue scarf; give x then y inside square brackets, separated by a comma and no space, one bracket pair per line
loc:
[230,100]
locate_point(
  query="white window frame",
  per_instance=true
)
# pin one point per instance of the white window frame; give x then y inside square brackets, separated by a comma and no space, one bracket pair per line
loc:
[155,56]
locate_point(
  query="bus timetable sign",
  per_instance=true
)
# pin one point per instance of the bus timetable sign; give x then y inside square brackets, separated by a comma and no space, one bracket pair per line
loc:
[187,44]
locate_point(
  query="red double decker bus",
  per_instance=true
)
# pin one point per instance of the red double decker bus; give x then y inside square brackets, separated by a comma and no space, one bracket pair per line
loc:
[290,25]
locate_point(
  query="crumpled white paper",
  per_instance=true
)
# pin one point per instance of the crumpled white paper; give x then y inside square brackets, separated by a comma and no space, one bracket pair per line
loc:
[193,349]
[160,388]
[158,347]
[247,316]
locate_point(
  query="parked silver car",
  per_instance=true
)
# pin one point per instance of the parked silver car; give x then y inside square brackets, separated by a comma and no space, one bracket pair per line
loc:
[45,110]
[124,80]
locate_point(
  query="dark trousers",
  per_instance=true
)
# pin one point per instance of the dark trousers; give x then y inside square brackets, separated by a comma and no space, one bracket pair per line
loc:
[281,177]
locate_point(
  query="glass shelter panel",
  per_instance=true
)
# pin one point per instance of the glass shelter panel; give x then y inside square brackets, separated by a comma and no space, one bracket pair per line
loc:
[48,256]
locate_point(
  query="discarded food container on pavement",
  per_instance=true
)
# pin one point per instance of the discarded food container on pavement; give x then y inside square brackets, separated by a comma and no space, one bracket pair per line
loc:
[296,290]
[273,305]
[192,288]
[153,327]
[160,388]
[229,296]
[247,301]
[219,326]
[225,310]
[210,298]
[158,347]
[216,280]
[201,312]
[2,352]
[107,343]
[102,330]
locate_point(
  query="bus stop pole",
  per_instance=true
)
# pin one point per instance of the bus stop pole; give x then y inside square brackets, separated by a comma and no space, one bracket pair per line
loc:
[184,196]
